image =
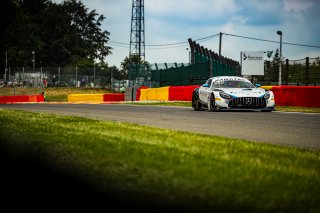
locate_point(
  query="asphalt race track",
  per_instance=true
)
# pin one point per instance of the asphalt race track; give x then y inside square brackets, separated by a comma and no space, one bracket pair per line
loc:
[295,129]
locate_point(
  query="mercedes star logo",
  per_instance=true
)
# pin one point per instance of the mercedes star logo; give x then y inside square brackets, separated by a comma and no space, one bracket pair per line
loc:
[248,101]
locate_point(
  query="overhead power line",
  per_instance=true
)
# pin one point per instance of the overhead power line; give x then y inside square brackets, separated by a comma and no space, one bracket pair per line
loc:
[160,45]
[181,44]
[169,45]
[116,42]
[259,39]
[185,42]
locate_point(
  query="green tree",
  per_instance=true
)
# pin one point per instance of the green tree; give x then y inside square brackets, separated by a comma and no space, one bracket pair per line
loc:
[74,34]
[272,66]
[133,60]
[268,67]
[21,31]
[116,73]
[60,34]
[134,66]
[8,14]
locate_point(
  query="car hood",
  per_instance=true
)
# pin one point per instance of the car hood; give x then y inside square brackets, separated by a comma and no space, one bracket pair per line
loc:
[244,92]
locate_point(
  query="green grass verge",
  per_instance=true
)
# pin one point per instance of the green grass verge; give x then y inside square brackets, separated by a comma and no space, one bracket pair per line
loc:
[159,167]
[297,109]
[52,93]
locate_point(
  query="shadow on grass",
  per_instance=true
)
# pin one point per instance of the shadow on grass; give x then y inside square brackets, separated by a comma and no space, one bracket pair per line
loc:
[28,183]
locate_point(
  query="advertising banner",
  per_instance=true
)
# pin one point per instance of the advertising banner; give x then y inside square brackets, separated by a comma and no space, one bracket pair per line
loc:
[252,63]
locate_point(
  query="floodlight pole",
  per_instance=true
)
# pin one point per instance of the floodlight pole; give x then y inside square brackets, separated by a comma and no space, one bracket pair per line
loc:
[33,61]
[280,61]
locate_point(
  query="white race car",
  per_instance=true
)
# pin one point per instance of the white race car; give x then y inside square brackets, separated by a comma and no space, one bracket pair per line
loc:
[232,93]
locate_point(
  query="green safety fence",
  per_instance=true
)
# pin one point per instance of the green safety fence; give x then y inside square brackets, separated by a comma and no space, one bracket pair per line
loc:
[202,70]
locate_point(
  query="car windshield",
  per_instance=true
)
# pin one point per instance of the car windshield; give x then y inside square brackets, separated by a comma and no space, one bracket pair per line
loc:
[233,84]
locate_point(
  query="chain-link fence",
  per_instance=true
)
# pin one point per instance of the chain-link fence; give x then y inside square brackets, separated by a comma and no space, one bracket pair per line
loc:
[179,74]
[293,72]
[69,77]
[58,77]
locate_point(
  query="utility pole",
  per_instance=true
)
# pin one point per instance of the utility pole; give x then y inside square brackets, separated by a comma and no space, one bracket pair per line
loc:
[280,61]
[220,43]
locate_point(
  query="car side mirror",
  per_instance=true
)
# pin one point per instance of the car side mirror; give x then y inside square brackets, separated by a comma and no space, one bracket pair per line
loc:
[258,85]
[205,85]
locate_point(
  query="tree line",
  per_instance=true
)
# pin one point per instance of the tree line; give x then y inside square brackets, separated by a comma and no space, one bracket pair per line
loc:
[55,34]
[294,72]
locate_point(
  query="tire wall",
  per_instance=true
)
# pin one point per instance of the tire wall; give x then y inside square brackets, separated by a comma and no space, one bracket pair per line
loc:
[172,93]
[21,98]
[305,96]
[96,98]
[138,93]
[154,94]
[181,93]
[113,97]
[85,98]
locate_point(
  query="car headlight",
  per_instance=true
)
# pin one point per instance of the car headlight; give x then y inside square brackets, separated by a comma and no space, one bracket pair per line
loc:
[267,95]
[224,95]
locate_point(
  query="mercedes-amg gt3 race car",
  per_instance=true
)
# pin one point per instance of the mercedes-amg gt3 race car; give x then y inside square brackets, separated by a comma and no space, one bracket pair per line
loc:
[232,93]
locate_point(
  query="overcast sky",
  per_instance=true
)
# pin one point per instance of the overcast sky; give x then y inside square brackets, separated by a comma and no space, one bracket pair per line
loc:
[174,21]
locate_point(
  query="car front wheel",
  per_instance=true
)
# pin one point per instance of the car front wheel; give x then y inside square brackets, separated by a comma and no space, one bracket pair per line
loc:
[196,105]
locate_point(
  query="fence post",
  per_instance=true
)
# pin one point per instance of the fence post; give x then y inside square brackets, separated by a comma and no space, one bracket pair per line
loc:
[14,87]
[286,72]
[41,77]
[210,68]
[94,76]
[76,76]
[307,72]
[58,74]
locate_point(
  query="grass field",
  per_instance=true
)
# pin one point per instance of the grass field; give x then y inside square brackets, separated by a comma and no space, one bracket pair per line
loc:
[297,109]
[179,170]
[52,93]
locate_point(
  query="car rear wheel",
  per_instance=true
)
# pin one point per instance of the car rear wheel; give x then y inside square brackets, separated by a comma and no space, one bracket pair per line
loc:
[212,106]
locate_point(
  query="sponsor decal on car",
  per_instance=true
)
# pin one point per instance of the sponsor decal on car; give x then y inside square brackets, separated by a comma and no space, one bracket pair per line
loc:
[221,80]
